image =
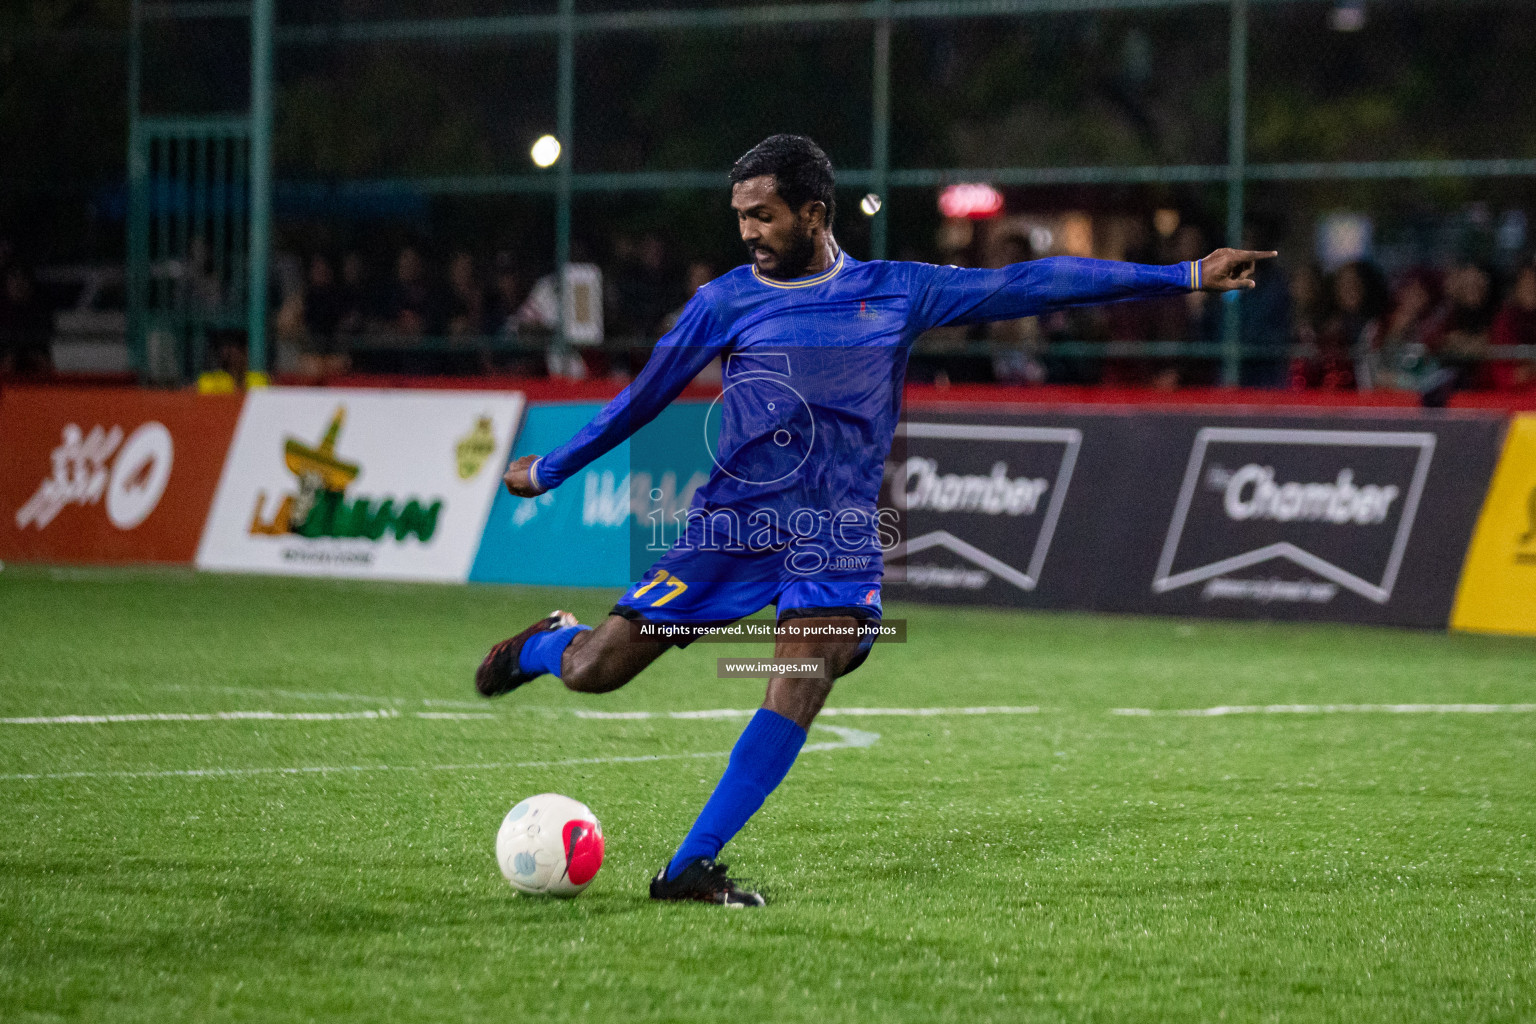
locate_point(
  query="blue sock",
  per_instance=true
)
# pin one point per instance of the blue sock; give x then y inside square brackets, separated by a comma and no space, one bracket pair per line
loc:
[759,762]
[542,651]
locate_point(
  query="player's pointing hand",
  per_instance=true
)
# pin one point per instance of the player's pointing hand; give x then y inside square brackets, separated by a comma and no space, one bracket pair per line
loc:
[519,478]
[1227,270]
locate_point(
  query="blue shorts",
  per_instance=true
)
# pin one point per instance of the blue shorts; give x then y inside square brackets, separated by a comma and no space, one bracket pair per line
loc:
[712,588]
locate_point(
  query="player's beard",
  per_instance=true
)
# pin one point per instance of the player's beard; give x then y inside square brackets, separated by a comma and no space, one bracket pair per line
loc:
[796,258]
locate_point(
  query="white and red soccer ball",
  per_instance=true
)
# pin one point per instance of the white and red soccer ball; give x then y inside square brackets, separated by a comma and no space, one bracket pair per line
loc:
[549,845]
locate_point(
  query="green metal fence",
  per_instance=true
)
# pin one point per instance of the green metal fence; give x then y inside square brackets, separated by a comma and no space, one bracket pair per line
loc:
[199,213]
[565,23]
[189,236]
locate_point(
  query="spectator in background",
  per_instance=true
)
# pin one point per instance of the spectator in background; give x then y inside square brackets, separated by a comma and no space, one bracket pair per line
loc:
[1516,325]
[1357,295]
[324,308]
[1077,324]
[1143,320]
[26,325]
[1308,306]
[1265,316]
[466,297]
[357,297]
[643,291]
[540,315]
[659,286]
[1202,319]
[1171,318]
[1395,357]
[322,298]
[1466,320]
[230,373]
[199,287]
[618,289]
[412,309]
[506,296]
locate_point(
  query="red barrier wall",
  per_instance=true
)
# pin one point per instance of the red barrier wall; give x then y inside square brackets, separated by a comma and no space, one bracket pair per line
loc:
[544,389]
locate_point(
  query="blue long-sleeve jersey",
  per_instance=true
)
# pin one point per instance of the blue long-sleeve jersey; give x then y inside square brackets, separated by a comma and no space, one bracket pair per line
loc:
[813,371]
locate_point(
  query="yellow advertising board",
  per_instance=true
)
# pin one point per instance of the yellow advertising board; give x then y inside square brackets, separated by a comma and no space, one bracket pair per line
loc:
[1498,582]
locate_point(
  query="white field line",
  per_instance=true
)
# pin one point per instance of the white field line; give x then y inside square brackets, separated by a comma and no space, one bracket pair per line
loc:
[246,691]
[1328,709]
[927,712]
[825,713]
[243,716]
[211,716]
[847,739]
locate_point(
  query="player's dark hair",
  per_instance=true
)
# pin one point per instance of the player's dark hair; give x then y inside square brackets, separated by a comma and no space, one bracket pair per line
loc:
[801,171]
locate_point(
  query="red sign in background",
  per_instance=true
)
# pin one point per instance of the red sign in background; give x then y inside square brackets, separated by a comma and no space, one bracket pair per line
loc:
[109,474]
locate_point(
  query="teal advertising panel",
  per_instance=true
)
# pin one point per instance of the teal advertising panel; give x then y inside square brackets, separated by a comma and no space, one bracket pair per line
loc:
[578,535]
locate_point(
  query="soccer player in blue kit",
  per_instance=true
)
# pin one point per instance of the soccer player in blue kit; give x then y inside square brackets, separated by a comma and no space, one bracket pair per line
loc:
[814,345]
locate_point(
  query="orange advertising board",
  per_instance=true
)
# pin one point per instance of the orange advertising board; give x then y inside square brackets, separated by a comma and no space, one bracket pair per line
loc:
[109,474]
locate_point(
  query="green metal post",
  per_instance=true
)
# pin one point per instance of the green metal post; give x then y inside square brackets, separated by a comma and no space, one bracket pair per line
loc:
[1237,155]
[880,157]
[263,16]
[565,118]
[138,199]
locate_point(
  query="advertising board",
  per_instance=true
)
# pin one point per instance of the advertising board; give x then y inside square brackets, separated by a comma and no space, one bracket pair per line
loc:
[1335,518]
[108,474]
[1275,516]
[361,483]
[583,532]
[997,509]
[1497,593]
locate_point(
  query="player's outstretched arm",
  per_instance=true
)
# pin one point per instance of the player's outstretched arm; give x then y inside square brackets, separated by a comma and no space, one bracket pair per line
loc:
[677,359]
[1229,270]
[953,295]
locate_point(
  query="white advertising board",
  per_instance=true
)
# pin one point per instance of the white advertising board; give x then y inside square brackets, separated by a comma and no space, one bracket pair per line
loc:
[361,483]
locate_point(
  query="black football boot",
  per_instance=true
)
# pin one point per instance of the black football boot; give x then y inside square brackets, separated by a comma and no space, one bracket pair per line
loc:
[704,881]
[498,673]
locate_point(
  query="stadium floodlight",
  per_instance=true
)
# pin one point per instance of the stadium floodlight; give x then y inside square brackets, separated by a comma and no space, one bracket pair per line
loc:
[870,204]
[546,151]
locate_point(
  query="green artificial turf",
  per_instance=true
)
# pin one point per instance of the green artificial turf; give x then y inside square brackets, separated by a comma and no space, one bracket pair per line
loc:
[1070,864]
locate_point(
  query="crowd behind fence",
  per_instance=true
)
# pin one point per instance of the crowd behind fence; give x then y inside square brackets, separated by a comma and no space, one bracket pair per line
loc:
[1427,329]
[432,310]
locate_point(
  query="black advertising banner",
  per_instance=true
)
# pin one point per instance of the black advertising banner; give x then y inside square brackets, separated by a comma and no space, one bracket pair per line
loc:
[1306,517]
[999,509]
[1256,516]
